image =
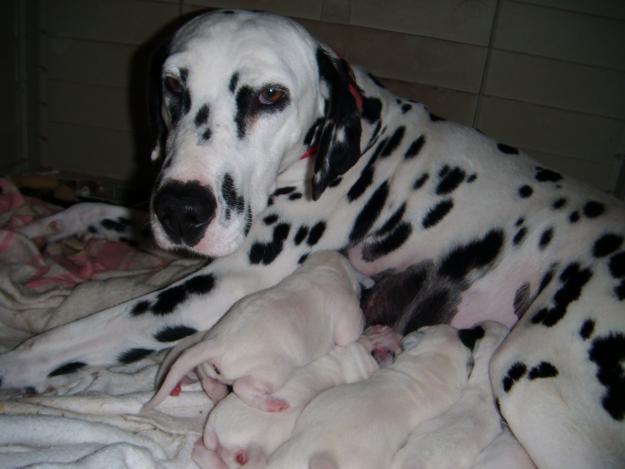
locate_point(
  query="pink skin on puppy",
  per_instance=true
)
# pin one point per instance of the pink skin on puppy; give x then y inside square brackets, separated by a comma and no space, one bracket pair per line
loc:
[238,434]
[265,336]
[362,425]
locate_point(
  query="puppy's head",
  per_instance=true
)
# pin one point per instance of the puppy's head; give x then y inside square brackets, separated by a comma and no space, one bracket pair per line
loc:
[239,98]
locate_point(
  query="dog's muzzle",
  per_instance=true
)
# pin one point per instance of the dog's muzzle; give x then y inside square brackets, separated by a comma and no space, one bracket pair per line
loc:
[184,210]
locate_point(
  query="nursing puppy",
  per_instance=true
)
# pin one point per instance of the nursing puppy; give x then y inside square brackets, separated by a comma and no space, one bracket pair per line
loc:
[505,452]
[237,434]
[454,439]
[265,336]
[362,425]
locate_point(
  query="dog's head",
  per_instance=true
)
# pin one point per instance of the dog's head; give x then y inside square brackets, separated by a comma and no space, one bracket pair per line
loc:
[238,97]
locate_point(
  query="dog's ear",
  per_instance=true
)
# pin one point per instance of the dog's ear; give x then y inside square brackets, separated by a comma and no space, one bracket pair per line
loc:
[155,99]
[337,136]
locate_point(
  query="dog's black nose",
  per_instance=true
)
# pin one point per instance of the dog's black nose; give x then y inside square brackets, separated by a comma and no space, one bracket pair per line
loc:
[184,209]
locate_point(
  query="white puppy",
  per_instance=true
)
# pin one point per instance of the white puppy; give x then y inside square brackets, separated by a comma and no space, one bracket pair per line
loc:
[454,439]
[505,452]
[265,336]
[362,425]
[238,434]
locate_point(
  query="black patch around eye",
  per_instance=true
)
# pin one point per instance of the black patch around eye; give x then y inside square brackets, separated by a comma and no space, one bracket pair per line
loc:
[66,369]
[184,74]
[244,104]
[174,333]
[134,355]
[248,107]
[202,116]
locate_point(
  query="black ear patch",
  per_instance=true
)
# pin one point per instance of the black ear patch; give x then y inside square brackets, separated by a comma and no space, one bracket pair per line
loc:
[469,337]
[338,136]
[155,98]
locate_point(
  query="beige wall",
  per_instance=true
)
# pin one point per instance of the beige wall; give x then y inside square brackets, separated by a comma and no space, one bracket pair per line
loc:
[544,75]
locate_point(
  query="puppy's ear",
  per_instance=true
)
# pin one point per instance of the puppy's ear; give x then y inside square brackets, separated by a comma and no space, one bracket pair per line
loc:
[155,99]
[337,136]
[469,337]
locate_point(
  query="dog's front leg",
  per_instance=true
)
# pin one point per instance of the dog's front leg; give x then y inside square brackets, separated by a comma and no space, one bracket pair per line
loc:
[133,330]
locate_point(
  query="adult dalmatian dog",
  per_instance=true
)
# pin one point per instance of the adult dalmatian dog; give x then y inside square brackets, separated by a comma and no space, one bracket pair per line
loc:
[274,147]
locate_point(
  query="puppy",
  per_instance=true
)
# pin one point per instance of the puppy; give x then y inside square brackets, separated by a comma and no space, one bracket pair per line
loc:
[454,439]
[504,452]
[362,425]
[265,336]
[238,434]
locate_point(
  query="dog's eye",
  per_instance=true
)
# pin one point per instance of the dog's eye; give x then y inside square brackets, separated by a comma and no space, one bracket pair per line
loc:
[271,95]
[173,85]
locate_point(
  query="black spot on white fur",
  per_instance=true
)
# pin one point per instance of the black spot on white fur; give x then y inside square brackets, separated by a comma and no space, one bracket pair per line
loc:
[572,279]
[471,256]
[266,253]
[174,333]
[67,368]
[608,354]
[514,374]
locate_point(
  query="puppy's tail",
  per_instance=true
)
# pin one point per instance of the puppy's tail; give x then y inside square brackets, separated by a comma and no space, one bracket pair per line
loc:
[187,361]
[322,461]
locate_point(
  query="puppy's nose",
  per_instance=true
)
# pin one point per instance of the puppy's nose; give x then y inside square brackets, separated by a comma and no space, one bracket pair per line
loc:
[184,210]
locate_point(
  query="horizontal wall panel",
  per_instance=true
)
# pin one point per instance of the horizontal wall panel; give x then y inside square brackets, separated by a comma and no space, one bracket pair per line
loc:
[561,34]
[98,63]
[608,8]
[308,9]
[119,21]
[600,175]
[551,131]
[453,105]
[91,105]
[91,150]
[405,57]
[555,83]
[455,20]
